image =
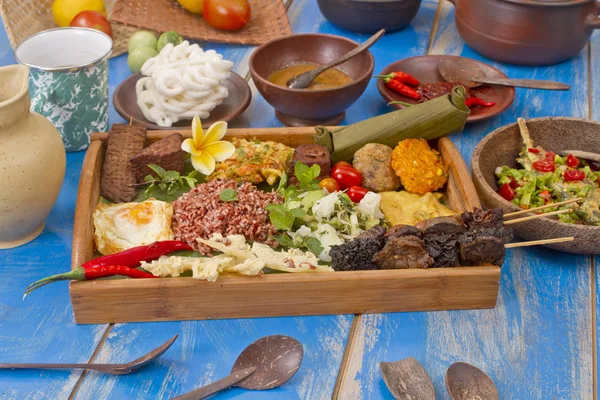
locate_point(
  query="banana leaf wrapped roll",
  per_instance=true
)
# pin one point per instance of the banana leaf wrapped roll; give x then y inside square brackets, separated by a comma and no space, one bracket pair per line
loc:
[429,120]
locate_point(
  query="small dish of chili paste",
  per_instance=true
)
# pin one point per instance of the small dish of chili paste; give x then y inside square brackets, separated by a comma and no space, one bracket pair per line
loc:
[417,79]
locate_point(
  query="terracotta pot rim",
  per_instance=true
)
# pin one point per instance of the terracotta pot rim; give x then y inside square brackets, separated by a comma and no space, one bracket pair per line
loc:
[255,75]
[476,170]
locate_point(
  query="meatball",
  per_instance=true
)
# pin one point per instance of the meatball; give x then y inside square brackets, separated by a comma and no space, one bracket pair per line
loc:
[374,162]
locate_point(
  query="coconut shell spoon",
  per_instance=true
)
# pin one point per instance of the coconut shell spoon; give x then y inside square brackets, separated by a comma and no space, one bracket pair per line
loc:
[407,379]
[470,74]
[265,364]
[466,382]
[112,369]
[586,155]
[303,80]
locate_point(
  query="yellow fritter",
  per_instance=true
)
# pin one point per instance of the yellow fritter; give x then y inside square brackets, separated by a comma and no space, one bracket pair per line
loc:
[254,161]
[419,167]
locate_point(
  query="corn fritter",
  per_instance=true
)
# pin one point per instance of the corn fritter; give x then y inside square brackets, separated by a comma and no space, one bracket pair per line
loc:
[419,167]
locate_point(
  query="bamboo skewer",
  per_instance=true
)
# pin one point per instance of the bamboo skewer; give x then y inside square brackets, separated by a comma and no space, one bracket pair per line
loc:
[539,242]
[516,221]
[560,203]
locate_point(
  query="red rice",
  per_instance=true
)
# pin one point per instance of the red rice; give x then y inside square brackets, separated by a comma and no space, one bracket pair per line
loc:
[200,213]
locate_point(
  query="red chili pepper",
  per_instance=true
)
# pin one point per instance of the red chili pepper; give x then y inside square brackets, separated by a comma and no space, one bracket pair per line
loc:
[134,256]
[533,150]
[346,176]
[356,193]
[401,77]
[507,192]
[572,175]
[544,166]
[86,274]
[402,89]
[572,161]
[476,101]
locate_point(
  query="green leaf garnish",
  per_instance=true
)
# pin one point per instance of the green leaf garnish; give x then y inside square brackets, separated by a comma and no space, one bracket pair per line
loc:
[228,195]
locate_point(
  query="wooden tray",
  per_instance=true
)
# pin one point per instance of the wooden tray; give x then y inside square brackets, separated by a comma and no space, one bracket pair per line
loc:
[271,295]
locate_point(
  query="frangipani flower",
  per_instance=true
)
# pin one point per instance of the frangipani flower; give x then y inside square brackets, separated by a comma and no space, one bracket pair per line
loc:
[207,148]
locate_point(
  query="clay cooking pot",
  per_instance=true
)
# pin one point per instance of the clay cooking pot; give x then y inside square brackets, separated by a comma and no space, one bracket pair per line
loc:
[527,32]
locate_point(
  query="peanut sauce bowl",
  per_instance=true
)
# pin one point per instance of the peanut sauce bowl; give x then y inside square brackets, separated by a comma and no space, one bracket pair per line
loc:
[303,107]
[502,146]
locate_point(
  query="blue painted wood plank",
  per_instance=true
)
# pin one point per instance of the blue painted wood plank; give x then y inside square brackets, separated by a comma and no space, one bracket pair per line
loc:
[41,328]
[537,342]
[206,351]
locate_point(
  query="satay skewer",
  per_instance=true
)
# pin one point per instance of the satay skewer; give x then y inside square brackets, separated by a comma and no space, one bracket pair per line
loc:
[516,221]
[560,203]
[539,242]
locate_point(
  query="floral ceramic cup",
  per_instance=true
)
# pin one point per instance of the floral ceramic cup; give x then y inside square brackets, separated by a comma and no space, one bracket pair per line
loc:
[69,81]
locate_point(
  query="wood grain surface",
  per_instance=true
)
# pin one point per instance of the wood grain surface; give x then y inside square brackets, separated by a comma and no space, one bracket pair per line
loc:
[538,343]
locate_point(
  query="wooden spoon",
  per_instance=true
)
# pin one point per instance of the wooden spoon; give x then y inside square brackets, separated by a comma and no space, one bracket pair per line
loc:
[466,382]
[303,80]
[581,154]
[407,380]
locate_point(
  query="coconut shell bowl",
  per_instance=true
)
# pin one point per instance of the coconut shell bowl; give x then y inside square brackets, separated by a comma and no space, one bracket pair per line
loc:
[303,107]
[502,146]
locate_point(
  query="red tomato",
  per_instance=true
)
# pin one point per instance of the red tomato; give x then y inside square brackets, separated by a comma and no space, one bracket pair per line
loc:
[572,161]
[228,15]
[93,20]
[507,192]
[342,164]
[329,184]
[572,175]
[346,176]
[550,156]
[356,193]
[544,166]
[533,150]
[513,184]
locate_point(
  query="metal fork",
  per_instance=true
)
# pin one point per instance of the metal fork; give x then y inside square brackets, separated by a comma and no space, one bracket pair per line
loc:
[112,369]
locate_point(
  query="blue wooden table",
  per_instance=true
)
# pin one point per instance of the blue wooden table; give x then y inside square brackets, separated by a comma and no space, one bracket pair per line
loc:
[538,343]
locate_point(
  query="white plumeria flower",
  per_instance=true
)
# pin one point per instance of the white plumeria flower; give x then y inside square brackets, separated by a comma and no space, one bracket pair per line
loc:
[207,148]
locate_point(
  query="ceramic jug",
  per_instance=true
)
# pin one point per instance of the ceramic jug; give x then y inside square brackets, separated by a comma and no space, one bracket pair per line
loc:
[32,161]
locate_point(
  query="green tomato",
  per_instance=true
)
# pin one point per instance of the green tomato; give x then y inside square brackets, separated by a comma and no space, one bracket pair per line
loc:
[168,37]
[139,56]
[141,39]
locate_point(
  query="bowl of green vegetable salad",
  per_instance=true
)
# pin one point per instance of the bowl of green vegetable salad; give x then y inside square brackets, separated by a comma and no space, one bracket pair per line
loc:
[517,167]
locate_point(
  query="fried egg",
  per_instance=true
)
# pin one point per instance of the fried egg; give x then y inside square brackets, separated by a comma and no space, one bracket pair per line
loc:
[119,227]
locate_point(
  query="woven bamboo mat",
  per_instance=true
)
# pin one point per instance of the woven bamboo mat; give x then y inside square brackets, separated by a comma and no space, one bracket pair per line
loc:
[23,18]
[269,20]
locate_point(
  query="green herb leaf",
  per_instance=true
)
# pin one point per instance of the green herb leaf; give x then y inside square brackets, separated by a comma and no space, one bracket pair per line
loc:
[285,240]
[280,217]
[241,153]
[162,186]
[148,178]
[305,174]
[228,195]
[282,182]
[298,212]
[171,176]
[160,171]
[313,245]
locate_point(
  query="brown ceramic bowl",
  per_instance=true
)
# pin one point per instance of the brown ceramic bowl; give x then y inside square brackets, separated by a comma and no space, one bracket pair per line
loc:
[502,146]
[301,107]
[425,69]
[125,102]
